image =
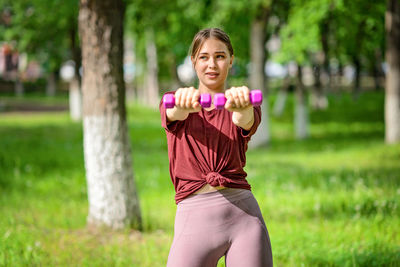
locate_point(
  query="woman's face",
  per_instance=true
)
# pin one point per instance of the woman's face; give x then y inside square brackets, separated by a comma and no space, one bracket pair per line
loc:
[212,64]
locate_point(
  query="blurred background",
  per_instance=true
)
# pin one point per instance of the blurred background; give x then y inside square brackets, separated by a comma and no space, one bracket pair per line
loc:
[324,165]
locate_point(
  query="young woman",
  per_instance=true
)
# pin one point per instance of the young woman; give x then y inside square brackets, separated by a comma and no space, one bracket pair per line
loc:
[217,213]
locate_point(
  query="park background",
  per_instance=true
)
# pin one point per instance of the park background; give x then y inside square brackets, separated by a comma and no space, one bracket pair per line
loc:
[324,166]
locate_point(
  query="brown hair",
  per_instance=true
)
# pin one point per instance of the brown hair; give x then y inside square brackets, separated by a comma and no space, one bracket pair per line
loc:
[208,33]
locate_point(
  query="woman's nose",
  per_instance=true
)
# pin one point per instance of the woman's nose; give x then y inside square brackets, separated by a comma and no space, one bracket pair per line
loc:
[211,63]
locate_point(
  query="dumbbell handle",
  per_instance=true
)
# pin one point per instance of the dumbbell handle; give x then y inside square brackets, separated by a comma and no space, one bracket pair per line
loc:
[219,99]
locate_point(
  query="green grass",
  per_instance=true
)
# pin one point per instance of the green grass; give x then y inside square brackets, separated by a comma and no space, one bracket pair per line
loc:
[330,200]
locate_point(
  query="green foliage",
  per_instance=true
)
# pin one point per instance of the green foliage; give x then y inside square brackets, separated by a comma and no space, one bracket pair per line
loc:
[360,29]
[41,28]
[331,200]
[174,24]
[353,28]
[301,35]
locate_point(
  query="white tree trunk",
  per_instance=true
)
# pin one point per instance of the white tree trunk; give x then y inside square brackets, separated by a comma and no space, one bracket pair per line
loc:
[392,97]
[301,122]
[257,80]
[19,87]
[51,84]
[262,139]
[280,101]
[111,189]
[318,100]
[301,119]
[152,87]
[75,100]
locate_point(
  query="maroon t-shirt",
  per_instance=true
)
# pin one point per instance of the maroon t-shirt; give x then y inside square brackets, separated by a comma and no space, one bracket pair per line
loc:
[207,147]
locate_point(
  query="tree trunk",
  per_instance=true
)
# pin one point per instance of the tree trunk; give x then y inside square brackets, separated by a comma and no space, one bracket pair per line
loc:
[357,60]
[377,70]
[357,76]
[51,86]
[75,100]
[19,87]
[319,100]
[325,31]
[75,91]
[392,96]
[152,87]
[130,61]
[280,102]
[257,76]
[113,200]
[300,111]
[340,76]
[175,82]
[316,91]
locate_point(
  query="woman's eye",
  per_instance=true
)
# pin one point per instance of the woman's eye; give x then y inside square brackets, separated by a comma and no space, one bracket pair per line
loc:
[220,56]
[203,57]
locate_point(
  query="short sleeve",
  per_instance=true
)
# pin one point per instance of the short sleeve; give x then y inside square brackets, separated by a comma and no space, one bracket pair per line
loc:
[168,126]
[257,121]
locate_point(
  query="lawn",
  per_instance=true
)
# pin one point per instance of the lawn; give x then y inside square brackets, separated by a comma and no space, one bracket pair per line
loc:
[330,200]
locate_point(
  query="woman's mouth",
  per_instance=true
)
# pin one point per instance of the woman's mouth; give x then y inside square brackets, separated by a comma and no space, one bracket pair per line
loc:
[212,75]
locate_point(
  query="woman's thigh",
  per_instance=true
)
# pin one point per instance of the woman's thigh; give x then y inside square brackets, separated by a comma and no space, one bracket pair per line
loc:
[200,237]
[251,244]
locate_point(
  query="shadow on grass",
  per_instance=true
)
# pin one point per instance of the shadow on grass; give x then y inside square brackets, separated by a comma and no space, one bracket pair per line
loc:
[376,254]
[327,141]
[343,108]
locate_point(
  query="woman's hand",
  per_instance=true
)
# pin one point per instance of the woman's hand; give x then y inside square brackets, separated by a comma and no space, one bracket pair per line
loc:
[238,102]
[237,99]
[186,101]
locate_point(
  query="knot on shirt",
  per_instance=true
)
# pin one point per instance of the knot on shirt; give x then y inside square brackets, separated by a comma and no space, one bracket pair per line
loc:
[215,179]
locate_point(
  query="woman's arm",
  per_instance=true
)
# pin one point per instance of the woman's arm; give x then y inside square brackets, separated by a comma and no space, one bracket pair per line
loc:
[238,102]
[244,118]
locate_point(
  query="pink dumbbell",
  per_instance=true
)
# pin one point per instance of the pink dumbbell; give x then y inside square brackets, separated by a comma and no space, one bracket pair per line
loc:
[169,100]
[256,99]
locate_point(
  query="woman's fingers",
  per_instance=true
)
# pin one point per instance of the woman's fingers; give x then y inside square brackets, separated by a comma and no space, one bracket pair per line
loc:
[230,102]
[238,97]
[180,97]
[195,98]
[187,98]
[246,95]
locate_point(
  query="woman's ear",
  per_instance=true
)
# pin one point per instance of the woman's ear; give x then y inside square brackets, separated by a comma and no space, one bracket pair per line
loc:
[231,62]
[193,61]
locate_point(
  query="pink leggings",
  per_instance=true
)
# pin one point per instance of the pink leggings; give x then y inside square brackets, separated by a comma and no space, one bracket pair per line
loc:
[226,222]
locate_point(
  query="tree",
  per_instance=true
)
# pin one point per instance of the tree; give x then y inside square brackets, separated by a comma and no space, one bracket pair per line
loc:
[248,20]
[24,28]
[113,200]
[151,84]
[392,97]
[46,32]
[300,38]
[301,120]
[359,34]
[258,37]
[170,27]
